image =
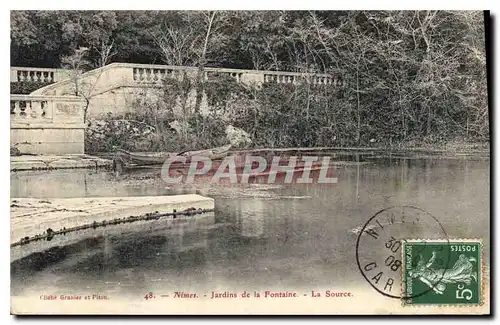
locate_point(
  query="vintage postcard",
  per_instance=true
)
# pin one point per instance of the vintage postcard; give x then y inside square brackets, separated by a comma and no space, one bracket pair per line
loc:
[249,162]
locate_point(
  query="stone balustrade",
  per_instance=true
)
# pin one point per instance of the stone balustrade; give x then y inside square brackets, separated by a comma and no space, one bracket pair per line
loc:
[116,75]
[153,74]
[294,78]
[156,73]
[115,88]
[45,75]
[24,109]
[143,73]
[50,119]
[47,124]
[46,109]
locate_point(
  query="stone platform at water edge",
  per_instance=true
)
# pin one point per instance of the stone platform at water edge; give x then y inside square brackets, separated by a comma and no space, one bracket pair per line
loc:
[42,162]
[33,216]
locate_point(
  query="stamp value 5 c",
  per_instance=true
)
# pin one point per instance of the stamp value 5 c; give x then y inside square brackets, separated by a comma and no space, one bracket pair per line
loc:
[446,272]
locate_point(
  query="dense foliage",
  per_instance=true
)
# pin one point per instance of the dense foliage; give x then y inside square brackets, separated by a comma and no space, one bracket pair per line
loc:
[26,87]
[407,74]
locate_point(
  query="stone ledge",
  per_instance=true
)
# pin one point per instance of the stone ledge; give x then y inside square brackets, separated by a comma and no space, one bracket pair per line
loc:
[19,124]
[46,162]
[33,216]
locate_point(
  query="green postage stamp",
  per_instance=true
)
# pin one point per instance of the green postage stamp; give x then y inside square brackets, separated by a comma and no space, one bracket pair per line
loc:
[442,272]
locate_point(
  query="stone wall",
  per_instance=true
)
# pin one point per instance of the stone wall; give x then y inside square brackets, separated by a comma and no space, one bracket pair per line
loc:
[47,124]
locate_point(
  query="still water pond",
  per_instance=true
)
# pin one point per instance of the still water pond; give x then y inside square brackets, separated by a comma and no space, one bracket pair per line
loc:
[260,237]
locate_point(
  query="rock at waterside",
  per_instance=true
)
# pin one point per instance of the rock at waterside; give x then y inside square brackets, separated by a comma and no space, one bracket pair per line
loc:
[238,138]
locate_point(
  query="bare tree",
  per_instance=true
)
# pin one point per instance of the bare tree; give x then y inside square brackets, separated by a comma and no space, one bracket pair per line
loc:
[78,62]
[105,52]
[191,42]
[177,44]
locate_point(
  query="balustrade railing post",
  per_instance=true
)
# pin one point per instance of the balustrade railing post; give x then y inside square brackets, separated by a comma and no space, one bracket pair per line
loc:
[28,112]
[50,109]
[35,109]
[13,75]
[14,108]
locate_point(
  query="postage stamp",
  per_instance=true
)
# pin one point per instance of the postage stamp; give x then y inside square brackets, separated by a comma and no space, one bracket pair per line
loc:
[445,272]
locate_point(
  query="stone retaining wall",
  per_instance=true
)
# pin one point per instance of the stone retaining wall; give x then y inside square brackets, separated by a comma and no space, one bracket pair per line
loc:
[47,124]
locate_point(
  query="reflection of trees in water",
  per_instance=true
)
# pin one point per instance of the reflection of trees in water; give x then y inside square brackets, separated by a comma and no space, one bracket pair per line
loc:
[126,260]
[26,271]
[280,212]
[42,260]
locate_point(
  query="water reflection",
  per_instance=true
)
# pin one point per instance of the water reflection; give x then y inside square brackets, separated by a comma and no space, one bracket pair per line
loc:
[250,217]
[261,236]
[116,256]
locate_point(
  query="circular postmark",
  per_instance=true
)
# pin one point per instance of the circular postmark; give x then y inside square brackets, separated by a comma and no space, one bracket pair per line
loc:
[380,250]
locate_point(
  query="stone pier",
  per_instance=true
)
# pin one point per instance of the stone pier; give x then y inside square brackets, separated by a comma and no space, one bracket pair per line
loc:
[34,216]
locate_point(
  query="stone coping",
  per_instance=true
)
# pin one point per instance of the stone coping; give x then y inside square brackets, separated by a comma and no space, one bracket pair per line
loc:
[45,162]
[34,216]
[77,99]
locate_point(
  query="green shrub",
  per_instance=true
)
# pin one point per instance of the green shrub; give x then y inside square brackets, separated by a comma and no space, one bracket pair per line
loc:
[26,87]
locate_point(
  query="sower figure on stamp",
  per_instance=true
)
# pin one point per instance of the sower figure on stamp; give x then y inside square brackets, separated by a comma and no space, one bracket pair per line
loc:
[461,272]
